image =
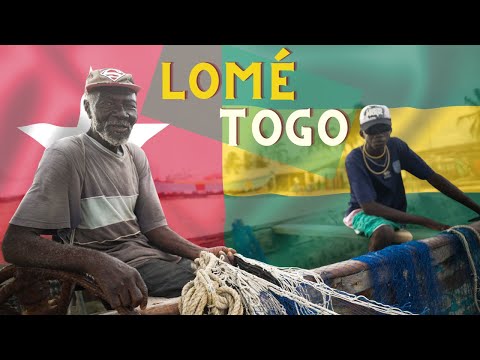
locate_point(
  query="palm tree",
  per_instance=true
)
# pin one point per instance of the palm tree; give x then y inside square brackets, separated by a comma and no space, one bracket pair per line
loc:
[475,116]
[475,127]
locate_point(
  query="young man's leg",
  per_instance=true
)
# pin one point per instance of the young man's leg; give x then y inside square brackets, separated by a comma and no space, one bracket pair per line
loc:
[380,231]
[381,238]
[164,278]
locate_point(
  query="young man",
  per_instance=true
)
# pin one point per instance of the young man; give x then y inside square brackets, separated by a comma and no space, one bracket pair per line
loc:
[378,204]
[96,192]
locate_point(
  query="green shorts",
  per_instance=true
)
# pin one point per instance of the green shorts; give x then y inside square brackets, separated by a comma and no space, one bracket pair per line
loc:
[366,224]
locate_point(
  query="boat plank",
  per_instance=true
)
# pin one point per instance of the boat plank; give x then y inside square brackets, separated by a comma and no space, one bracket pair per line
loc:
[157,306]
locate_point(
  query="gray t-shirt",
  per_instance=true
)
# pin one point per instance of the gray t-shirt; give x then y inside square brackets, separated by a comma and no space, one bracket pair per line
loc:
[109,199]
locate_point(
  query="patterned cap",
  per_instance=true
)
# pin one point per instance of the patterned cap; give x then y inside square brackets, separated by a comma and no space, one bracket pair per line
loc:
[110,77]
[373,115]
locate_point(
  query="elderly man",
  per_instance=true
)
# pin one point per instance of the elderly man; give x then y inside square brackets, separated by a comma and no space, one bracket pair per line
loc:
[378,203]
[95,191]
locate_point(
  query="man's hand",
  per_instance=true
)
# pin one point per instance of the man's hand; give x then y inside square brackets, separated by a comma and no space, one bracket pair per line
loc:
[435,225]
[121,284]
[223,250]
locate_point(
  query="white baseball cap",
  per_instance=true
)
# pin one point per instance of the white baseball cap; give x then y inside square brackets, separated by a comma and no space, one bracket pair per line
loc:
[374,114]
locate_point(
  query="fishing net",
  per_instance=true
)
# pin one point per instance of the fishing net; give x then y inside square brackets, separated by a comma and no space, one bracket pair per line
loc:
[405,281]
[408,277]
[256,288]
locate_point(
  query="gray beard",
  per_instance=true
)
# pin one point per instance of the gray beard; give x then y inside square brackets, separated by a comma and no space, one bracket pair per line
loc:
[112,139]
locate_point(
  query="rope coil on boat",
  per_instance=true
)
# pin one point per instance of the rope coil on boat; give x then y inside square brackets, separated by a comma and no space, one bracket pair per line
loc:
[208,293]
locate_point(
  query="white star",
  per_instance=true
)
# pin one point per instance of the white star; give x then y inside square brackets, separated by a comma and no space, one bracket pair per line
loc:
[47,134]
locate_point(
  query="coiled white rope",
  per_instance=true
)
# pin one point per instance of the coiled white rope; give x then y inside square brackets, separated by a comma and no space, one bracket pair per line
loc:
[208,293]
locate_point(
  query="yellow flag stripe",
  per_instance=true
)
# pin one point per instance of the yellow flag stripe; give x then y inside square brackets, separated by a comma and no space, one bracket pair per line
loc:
[447,138]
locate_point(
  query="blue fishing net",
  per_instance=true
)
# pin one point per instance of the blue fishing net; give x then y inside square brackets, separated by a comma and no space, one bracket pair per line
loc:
[459,292]
[406,276]
[402,276]
[292,307]
[459,248]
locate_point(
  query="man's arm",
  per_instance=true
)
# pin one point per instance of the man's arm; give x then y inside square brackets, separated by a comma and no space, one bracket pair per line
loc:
[377,209]
[365,193]
[121,283]
[446,187]
[152,221]
[169,241]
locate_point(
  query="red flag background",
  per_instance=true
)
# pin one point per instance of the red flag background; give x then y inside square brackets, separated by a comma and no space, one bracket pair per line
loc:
[44,84]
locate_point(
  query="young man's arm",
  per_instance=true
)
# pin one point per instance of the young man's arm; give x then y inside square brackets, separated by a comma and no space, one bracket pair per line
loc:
[365,194]
[169,241]
[414,164]
[121,283]
[377,209]
[446,187]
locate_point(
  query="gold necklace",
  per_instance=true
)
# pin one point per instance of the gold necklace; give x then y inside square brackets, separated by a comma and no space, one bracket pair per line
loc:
[374,157]
[364,152]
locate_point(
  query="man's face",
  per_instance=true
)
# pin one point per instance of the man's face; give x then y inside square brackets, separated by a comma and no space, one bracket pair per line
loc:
[113,114]
[377,136]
